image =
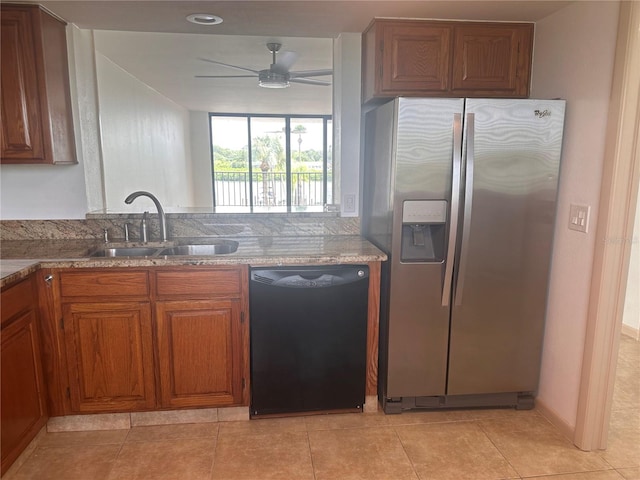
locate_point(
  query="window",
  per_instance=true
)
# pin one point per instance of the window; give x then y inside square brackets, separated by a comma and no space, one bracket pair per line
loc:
[271,162]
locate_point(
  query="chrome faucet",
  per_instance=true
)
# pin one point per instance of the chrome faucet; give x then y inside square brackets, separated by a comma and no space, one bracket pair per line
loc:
[161,217]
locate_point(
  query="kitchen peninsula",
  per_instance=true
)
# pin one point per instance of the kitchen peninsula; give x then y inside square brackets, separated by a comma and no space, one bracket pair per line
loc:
[81,304]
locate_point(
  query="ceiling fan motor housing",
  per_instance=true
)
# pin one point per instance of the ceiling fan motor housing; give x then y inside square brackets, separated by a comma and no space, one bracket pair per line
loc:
[272,79]
[278,74]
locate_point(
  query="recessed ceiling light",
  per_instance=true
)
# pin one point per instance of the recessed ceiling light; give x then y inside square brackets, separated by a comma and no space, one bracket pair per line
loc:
[204,19]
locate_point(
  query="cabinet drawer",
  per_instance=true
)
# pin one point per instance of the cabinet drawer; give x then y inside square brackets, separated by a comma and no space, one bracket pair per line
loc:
[17,298]
[219,281]
[104,284]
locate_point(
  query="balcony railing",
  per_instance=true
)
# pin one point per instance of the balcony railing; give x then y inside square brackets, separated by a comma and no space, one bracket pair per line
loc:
[268,189]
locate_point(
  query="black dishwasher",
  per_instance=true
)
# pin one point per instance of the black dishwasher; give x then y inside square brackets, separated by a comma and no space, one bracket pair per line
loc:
[308,338]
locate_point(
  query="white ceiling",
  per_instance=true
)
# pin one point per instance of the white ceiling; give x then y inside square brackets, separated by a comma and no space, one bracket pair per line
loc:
[168,62]
[292,18]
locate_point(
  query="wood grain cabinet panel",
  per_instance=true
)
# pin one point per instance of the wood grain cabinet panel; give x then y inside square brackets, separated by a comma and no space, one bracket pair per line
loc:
[23,397]
[21,133]
[151,338]
[36,121]
[492,58]
[100,283]
[110,356]
[445,58]
[415,58]
[199,281]
[200,352]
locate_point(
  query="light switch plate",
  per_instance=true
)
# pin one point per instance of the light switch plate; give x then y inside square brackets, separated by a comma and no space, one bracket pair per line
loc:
[579,217]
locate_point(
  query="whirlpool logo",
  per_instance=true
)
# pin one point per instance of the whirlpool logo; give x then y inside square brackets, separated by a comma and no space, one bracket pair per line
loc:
[542,113]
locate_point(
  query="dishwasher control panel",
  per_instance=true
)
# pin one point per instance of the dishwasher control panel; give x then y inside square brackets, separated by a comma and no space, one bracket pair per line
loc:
[309,277]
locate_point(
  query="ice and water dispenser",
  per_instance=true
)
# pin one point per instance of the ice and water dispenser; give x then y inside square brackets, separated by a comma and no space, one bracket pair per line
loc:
[423,230]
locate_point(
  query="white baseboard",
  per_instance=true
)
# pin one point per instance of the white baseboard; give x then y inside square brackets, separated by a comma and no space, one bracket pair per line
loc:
[629,331]
[370,404]
[548,413]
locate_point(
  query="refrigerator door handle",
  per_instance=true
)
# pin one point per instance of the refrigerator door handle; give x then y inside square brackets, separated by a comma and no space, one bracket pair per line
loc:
[455,206]
[468,205]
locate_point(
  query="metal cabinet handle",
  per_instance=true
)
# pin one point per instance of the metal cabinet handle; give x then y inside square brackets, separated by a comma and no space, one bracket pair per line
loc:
[48,279]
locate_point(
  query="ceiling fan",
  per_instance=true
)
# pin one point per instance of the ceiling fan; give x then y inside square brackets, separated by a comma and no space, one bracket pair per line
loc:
[278,74]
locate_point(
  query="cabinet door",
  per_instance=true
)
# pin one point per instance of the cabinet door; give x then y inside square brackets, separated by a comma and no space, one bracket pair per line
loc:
[36,123]
[200,346]
[21,133]
[23,406]
[415,58]
[492,60]
[110,356]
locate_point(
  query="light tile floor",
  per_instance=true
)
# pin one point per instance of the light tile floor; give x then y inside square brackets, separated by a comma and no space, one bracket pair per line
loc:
[445,445]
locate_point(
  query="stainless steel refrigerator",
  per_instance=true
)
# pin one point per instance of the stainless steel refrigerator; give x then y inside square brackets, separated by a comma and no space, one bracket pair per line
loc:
[461,195]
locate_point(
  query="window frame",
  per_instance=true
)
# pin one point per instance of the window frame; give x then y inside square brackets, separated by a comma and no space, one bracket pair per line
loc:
[288,160]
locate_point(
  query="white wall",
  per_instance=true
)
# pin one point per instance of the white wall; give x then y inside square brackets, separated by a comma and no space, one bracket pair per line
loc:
[573,59]
[631,315]
[46,191]
[84,90]
[201,159]
[145,141]
[346,122]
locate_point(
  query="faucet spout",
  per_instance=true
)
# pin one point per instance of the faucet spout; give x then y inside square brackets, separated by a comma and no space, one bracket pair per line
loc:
[161,216]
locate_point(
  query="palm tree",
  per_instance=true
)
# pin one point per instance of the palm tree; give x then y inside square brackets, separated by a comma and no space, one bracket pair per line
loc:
[299,129]
[269,152]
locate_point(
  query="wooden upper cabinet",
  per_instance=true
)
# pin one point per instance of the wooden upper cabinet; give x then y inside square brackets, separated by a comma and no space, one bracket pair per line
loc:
[415,57]
[446,59]
[36,121]
[492,58]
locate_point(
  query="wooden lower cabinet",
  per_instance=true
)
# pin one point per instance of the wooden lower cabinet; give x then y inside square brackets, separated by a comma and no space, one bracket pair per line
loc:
[23,408]
[145,339]
[110,356]
[200,352]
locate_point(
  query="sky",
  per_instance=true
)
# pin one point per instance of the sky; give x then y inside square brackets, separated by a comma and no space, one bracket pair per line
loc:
[231,132]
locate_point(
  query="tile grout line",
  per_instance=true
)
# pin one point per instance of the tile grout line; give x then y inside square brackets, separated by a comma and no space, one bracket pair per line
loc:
[313,467]
[484,432]
[413,466]
[215,450]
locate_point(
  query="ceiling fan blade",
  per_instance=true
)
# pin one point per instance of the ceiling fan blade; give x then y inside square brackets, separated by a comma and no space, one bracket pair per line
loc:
[224,76]
[311,73]
[227,65]
[310,81]
[285,60]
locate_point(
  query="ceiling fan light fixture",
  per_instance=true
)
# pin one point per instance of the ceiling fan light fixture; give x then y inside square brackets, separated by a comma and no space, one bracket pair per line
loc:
[204,19]
[271,79]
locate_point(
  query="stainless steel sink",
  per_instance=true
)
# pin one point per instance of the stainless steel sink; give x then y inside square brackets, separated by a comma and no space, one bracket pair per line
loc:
[215,248]
[126,252]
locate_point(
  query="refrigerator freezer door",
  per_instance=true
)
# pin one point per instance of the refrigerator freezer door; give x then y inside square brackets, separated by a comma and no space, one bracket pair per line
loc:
[418,323]
[498,318]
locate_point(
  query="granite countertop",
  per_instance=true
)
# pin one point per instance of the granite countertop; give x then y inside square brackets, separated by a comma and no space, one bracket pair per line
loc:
[22,257]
